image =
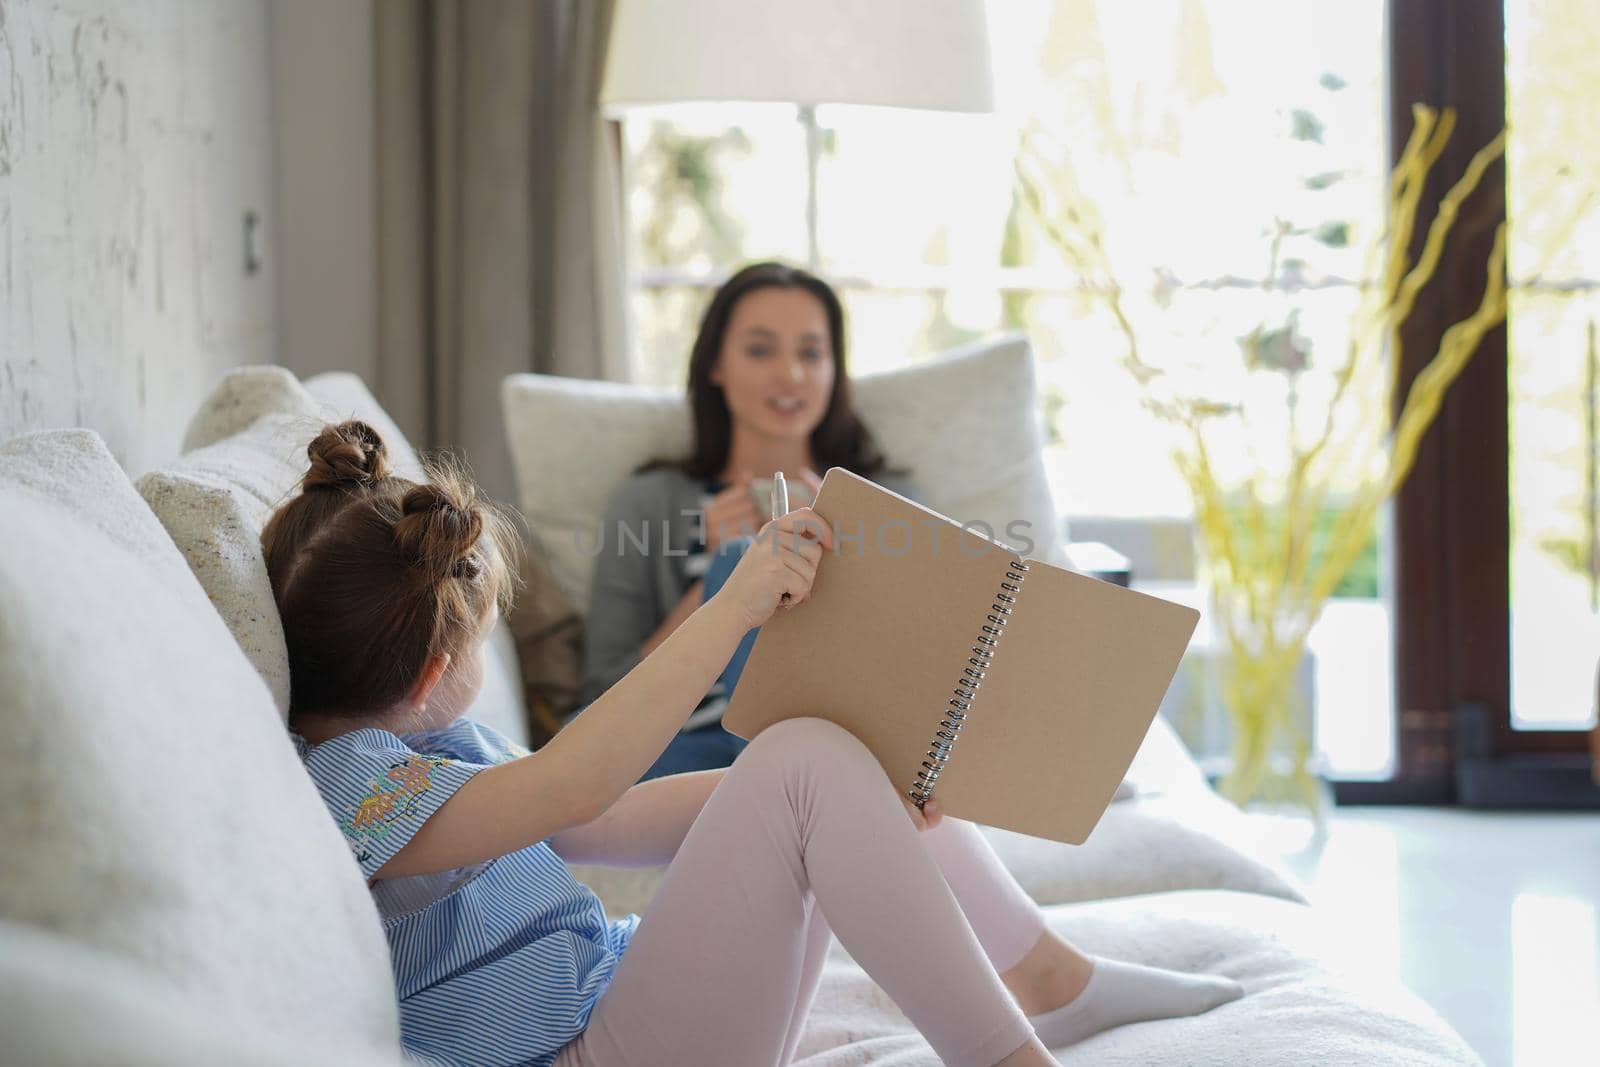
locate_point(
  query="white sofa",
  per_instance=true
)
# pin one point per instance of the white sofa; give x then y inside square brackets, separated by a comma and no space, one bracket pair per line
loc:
[175,892]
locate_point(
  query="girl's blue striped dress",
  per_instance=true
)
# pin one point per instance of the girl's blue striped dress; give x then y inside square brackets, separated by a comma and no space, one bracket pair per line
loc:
[499,963]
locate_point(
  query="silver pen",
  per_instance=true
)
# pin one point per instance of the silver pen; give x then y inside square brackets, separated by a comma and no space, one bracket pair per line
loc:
[780,508]
[780,496]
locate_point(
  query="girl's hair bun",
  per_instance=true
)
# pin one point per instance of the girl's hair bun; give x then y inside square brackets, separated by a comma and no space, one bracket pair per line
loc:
[348,455]
[440,524]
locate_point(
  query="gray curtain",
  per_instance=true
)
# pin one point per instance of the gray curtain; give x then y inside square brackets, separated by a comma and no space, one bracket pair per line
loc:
[499,213]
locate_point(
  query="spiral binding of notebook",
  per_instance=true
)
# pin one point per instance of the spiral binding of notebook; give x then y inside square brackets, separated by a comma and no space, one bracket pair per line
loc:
[966,688]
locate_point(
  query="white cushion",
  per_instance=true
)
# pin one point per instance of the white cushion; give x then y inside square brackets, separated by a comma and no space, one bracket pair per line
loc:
[62,1002]
[155,809]
[1148,845]
[1295,1010]
[965,427]
[243,396]
[1174,833]
[214,502]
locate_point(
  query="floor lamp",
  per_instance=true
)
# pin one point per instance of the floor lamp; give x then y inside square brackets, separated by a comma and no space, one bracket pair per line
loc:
[925,54]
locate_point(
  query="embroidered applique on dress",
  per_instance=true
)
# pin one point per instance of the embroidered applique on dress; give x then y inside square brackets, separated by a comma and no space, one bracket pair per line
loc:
[391,797]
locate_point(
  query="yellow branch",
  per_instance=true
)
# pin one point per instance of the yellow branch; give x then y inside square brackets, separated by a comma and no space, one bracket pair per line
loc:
[1455,348]
[1423,400]
[1267,588]
[1443,222]
[1410,176]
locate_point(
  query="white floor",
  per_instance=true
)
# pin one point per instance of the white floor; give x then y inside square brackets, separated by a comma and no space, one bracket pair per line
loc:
[1492,918]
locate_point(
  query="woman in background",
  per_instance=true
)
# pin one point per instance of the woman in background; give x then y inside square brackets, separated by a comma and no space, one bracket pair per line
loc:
[768,391]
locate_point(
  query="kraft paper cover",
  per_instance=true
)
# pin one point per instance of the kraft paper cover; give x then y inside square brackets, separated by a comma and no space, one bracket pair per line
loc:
[895,611]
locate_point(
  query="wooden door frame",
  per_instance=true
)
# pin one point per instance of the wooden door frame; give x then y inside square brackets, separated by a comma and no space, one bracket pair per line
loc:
[1455,742]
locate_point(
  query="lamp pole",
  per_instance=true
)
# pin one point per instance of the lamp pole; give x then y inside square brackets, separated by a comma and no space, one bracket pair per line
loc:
[808,120]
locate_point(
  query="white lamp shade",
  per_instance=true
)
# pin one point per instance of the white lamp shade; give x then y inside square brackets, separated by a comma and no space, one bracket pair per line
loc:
[931,54]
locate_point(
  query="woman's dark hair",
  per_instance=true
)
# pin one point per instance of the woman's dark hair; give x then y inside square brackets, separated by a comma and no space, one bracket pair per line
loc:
[373,574]
[841,439]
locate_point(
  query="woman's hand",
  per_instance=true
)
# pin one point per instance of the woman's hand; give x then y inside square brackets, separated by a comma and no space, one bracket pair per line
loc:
[924,819]
[731,513]
[783,560]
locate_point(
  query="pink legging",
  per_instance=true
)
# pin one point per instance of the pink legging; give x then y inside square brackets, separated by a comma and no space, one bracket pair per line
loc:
[728,956]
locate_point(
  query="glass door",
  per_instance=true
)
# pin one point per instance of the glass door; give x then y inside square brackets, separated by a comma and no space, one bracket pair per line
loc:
[1553,171]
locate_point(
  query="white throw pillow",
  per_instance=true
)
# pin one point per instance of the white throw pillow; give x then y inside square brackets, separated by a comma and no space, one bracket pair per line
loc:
[965,426]
[243,396]
[155,808]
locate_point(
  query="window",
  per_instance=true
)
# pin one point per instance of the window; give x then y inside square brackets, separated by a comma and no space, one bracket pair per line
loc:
[1484,529]
[1192,127]
[1552,162]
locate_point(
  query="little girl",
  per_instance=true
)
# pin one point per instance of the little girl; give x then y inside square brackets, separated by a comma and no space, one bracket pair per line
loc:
[388,589]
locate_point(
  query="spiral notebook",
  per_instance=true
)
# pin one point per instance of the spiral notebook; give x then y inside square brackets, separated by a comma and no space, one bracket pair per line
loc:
[1012,691]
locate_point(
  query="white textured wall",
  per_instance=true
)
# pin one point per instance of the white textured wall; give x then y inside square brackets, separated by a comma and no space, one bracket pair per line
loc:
[134,137]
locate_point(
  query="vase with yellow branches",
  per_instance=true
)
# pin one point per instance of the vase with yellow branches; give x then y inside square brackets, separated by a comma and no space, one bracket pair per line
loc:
[1268,556]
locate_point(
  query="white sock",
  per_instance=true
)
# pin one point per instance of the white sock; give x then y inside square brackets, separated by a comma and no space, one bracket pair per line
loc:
[1120,993]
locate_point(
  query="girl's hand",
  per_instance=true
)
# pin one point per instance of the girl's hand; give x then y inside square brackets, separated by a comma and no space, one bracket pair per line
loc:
[731,513]
[783,560]
[925,819]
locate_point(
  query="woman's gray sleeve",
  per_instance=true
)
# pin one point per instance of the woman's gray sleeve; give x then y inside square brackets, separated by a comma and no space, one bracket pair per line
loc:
[623,611]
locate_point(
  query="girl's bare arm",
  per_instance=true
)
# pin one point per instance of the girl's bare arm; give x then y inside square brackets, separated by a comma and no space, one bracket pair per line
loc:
[582,771]
[593,761]
[687,605]
[645,827]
